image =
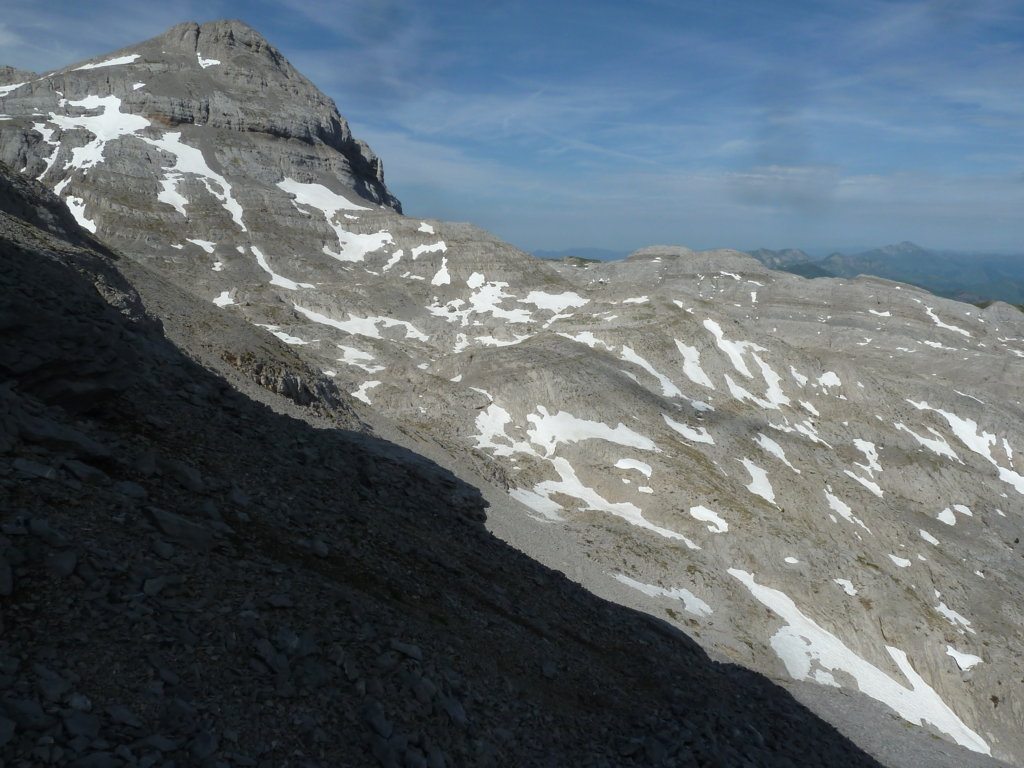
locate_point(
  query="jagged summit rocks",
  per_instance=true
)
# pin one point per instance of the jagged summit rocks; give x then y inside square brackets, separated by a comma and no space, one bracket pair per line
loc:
[821,480]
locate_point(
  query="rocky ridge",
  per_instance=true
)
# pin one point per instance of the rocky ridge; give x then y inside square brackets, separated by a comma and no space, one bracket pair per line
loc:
[817,479]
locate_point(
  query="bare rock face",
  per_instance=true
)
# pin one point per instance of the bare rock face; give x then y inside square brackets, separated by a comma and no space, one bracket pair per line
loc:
[820,480]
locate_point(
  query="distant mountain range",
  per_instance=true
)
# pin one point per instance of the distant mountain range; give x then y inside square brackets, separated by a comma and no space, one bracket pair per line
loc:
[973,277]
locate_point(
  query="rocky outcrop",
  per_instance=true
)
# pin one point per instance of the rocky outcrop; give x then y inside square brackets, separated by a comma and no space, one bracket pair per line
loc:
[820,480]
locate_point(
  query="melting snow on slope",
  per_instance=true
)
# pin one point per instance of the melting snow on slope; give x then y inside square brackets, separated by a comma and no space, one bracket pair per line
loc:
[946,516]
[110,124]
[733,349]
[485,299]
[363,389]
[549,430]
[419,250]
[276,279]
[206,245]
[758,481]
[979,441]
[668,389]
[490,426]
[77,207]
[873,487]
[224,299]
[541,504]
[928,537]
[715,522]
[639,466]
[870,454]
[204,63]
[842,509]
[775,449]
[902,562]
[691,365]
[442,277]
[803,646]
[691,603]
[5,89]
[829,379]
[358,358]
[696,435]
[189,159]
[941,324]
[954,618]
[938,445]
[362,326]
[287,338]
[963,660]
[109,62]
[556,302]
[351,246]
[847,586]
[570,485]
[586,337]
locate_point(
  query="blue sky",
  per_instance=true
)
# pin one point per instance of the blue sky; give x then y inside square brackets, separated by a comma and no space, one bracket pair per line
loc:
[734,123]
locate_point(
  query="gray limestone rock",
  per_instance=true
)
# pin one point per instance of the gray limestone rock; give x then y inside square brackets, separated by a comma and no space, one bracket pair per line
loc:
[819,480]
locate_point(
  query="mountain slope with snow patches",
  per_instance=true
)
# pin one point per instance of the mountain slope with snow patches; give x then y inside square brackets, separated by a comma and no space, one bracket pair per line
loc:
[821,479]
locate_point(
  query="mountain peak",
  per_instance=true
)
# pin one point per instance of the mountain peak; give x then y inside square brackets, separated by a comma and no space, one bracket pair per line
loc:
[220,88]
[226,37]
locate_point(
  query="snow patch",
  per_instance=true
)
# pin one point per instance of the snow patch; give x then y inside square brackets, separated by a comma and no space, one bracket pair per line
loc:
[668,389]
[803,645]
[276,279]
[363,326]
[188,159]
[963,660]
[691,603]
[108,62]
[442,277]
[715,522]
[363,389]
[775,449]
[550,430]
[847,586]
[699,435]
[691,365]
[556,302]
[639,466]
[759,484]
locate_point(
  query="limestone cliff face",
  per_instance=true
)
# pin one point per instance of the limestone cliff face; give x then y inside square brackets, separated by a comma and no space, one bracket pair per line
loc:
[822,480]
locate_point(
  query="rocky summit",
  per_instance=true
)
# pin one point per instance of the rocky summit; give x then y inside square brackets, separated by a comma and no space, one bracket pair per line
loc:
[715,478]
